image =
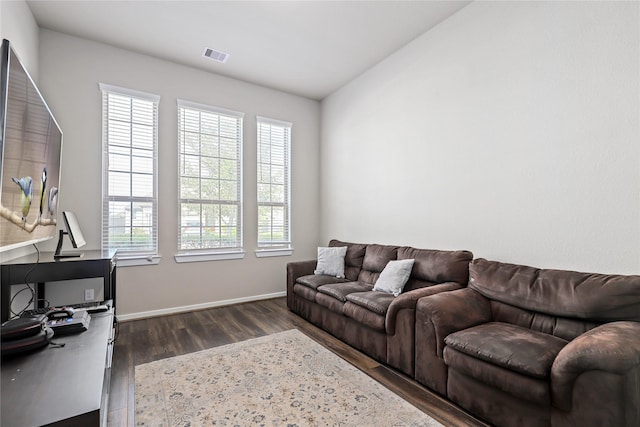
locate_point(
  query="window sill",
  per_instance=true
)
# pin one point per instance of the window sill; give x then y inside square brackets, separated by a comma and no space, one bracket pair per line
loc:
[264,253]
[208,256]
[137,260]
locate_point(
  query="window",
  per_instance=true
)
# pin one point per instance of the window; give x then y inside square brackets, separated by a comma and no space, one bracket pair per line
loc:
[274,204]
[210,161]
[129,196]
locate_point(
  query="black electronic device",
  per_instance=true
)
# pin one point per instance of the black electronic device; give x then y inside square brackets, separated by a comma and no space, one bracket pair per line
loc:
[98,309]
[60,313]
[94,306]
[75,235]
[70,325]
[22,335]
[40,312]
[30,157]
[24,345]
[20,328]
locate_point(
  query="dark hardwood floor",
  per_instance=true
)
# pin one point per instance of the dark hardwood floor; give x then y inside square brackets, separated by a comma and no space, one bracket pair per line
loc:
[146,340]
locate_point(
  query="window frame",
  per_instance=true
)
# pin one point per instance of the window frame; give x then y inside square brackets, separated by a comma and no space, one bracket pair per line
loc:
[285,246]
[128,256]
[211,253]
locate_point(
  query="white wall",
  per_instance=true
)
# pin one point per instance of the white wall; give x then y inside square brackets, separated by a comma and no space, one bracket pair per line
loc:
[511,129]
[71,69]
[18,25]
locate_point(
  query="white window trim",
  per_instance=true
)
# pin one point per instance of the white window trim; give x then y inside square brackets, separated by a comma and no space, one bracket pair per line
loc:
[217,110]
[136,258]
[129,92]
[208,256]
[285,249]
[213,254]
[266,253]
[267,120]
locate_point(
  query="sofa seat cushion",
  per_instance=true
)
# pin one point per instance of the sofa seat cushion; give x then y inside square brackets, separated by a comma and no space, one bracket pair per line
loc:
[514,384]
[508,346]
[364,316]
[375,301]
[329,302]
[305,292]
[314,280]
[340,291]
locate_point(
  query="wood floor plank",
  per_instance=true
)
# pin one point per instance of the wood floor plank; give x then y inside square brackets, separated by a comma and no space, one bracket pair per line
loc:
[117,418]
[146,340]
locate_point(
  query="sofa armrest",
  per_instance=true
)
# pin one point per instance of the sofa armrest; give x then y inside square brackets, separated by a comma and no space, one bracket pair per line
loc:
[436,317]
[453,311]
[610,348]
[409,300]
[298,269]
[294,270]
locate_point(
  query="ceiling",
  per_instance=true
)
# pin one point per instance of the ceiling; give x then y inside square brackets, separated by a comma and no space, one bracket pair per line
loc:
[308,48]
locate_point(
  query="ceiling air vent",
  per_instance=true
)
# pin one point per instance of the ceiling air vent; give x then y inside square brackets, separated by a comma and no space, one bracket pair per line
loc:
[216,55]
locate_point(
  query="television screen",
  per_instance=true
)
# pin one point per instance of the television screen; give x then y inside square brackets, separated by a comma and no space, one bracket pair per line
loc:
[31,145]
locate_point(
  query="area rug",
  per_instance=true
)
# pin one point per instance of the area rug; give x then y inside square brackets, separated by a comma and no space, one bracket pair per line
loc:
[284,379]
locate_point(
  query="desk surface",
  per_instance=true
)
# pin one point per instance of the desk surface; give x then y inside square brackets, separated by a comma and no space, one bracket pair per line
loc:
[54,384]
[47,257]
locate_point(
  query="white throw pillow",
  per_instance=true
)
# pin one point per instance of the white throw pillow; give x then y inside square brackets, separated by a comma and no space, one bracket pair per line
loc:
[331,261]
[394,277]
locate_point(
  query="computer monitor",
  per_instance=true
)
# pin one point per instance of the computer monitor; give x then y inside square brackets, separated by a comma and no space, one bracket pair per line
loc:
[75,235]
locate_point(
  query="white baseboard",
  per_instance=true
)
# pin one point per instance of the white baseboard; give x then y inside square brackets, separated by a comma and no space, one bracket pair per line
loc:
[194,307]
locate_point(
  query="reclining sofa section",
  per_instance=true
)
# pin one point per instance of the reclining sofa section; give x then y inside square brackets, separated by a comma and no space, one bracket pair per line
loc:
[376,323]
[522,346]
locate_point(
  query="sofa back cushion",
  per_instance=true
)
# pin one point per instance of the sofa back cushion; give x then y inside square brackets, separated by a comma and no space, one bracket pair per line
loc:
[353,258]
[432,266]
[560,327]
[365,263]
[588,296]
[375,260]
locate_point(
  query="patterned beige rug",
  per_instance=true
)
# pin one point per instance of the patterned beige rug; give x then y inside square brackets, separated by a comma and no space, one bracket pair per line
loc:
[284,379]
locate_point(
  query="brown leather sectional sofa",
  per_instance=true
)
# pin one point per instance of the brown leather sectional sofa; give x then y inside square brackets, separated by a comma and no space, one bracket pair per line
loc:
[519,346]
[376,323]
[528,347]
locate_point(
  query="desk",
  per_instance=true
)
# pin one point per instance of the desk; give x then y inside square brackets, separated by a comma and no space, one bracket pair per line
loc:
[61,386]
[47,269]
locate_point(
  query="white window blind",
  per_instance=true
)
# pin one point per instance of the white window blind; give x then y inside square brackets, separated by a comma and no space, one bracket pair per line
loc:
[210,187]
[129,195]
[274,183]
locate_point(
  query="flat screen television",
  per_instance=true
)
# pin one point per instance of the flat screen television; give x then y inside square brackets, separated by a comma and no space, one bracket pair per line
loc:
[31,147]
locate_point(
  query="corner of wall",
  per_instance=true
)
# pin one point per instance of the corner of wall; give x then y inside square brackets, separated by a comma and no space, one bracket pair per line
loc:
[19,26]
